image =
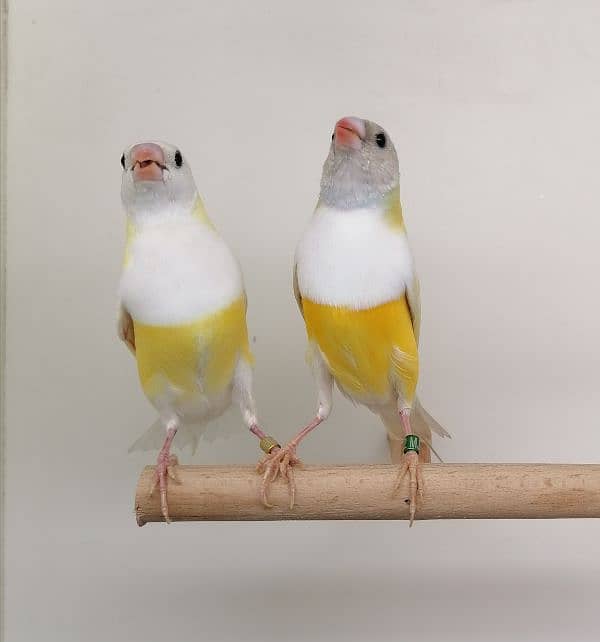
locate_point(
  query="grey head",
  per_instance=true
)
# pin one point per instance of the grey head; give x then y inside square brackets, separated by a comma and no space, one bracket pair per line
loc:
[362,165]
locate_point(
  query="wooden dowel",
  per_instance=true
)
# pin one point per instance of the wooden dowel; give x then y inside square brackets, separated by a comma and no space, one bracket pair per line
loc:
[452,491]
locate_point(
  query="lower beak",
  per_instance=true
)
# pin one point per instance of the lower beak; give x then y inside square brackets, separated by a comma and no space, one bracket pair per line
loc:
[147,162]
[147,170]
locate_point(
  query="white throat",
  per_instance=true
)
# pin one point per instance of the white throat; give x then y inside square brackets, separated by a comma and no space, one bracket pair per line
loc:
[353,258]
[148,209]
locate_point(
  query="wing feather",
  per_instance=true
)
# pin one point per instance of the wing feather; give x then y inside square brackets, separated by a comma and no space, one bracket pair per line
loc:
[297,290]
[125,329]
[413,298]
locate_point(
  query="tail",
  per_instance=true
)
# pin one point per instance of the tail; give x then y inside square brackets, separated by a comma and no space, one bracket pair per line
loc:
[422,423]
[154,437]
[189,433]
[420,416]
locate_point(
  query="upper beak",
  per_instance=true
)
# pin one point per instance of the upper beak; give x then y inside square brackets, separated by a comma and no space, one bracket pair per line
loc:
[147,162]
[349,132]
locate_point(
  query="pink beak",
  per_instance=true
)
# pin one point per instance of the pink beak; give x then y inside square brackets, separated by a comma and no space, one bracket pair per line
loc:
[349,133]
[148,162]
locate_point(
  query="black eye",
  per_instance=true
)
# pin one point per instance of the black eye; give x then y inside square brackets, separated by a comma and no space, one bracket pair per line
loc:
[380,139]
[178,159]
[333,136]
[123,161]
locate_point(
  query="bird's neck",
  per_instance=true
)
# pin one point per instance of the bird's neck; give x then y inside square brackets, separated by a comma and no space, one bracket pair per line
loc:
[140,220]
[388,207]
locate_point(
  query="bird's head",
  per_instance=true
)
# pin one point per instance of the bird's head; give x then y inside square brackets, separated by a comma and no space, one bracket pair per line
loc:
[362,165]
[156,177]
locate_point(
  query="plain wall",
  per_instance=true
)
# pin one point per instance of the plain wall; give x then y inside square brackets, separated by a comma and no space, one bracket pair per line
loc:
[494,108]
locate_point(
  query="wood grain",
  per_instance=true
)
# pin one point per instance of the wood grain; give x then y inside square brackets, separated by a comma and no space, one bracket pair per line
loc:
[452,491]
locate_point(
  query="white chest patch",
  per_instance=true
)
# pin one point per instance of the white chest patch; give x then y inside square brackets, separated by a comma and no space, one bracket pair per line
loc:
[352,258]
[178,272]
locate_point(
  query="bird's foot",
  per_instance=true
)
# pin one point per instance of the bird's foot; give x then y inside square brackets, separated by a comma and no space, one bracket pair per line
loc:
[410,465]
[165,469]
[280,461]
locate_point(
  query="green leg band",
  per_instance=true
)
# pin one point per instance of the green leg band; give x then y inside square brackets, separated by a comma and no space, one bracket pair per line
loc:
[412,444]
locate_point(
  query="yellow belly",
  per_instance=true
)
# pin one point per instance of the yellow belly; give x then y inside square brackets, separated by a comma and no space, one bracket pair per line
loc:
[201,355]
[371,353]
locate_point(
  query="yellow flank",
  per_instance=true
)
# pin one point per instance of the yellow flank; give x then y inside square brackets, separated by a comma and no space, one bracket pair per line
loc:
[393,210]
[200,213]
[197,356]
[371,353]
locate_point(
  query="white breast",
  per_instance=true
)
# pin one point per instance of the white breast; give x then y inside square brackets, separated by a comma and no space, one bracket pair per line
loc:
[178,271]
[352,258]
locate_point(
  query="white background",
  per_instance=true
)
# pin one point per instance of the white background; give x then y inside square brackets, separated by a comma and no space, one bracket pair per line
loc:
[494,108]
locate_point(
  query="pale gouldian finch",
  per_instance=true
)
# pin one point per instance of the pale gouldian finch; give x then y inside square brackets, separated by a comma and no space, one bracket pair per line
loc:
[183,304]
[357,289]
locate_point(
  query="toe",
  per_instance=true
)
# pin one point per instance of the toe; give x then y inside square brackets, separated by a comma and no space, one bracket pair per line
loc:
[268,477]
[163,500]
[410,466]
[420,483]
[277,463]
[154,485]
[413,488]
[172,474]
[264,495]
[284,464]
[291,487]
[401,474]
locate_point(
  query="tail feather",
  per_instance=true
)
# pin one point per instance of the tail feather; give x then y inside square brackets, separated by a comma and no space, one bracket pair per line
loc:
[433,450]
[421,415]
[154,437]
[422,424]
[188,433]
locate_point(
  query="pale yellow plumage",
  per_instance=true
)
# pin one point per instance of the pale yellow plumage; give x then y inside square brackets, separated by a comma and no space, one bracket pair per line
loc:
[193,357]
[370,353]
[183,305]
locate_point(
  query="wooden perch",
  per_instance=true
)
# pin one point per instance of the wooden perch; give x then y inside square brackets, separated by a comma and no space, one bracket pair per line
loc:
[452,491]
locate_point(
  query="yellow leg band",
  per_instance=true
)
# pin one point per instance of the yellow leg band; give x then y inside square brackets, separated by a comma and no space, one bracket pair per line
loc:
[268,443]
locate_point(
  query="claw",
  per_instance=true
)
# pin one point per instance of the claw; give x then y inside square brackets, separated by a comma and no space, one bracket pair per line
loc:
[292,487]
[172,469]
[270,474]
[420,482]
[411,466]
[278,462]
[164,506]
[263,493]
[165,469]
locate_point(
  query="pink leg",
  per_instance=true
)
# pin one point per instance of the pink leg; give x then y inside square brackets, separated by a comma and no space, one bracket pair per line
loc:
[255,430]
[405,419]
[267,443]
[410,465]
[309,428]
[280,461]
[165,468]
